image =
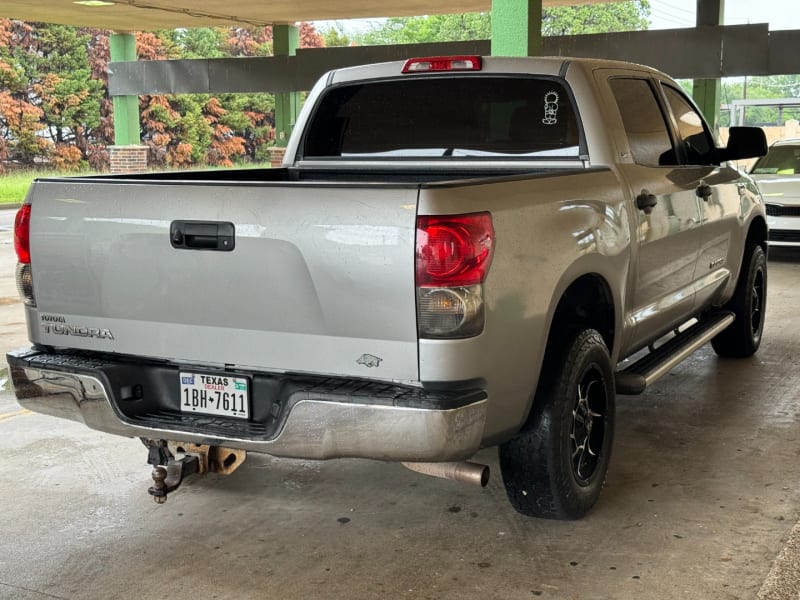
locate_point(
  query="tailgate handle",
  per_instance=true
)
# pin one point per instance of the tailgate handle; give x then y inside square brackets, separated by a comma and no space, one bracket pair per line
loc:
[202,235]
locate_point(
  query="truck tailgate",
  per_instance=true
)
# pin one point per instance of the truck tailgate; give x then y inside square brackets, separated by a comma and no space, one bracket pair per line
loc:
[320,278]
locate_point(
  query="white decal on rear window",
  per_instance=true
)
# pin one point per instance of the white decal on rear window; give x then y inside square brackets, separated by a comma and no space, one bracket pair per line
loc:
[550,108]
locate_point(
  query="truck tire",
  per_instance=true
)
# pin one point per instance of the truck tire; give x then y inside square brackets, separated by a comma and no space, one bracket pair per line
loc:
[743,337]
[556,466]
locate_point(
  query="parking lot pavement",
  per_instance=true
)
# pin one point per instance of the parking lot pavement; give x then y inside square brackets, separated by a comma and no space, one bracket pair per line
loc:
[701,500]
[7,219]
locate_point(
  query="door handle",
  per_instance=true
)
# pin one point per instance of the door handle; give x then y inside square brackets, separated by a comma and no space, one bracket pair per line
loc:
[646,201]
[202,235]
[703,191]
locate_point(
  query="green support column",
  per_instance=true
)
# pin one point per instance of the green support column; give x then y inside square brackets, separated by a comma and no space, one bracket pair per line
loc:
[707,92]
[516,27]
[286,39]
[126,108]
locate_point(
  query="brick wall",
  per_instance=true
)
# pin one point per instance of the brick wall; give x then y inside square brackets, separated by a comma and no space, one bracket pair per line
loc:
[276,155]
[128,159]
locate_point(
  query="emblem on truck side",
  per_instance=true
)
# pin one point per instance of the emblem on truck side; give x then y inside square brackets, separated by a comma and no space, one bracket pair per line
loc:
[369,361]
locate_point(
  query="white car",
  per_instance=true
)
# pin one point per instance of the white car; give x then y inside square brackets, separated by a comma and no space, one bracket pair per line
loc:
[778,177]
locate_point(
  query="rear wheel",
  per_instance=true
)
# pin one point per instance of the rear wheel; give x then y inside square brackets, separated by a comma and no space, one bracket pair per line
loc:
[556,466]
[743,337]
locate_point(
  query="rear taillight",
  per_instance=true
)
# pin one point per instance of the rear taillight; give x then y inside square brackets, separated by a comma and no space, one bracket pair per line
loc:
[454,253]
[22,234]
[22,246]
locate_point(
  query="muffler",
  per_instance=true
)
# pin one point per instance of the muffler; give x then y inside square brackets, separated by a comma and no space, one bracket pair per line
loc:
[464,471]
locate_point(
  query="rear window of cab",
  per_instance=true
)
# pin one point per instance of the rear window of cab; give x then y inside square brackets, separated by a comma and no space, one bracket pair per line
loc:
[428,117]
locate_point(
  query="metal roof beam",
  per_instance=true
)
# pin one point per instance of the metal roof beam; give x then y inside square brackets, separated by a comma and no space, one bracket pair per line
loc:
[710,52]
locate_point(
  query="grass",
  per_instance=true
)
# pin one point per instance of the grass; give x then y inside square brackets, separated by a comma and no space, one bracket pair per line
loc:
[14,185]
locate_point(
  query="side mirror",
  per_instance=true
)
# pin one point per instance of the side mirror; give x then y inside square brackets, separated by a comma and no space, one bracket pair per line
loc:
[744,142]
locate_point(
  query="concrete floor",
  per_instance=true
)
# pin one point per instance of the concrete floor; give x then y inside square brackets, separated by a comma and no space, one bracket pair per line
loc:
[701,503]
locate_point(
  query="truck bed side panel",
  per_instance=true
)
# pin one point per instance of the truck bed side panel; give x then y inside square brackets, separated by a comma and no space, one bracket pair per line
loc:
[550,230]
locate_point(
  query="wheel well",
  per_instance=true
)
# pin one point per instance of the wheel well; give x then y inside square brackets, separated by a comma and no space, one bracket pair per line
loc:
[587,303]
[757,234]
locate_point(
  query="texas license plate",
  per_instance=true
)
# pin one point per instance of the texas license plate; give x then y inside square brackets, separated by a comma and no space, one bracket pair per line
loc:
[220,395]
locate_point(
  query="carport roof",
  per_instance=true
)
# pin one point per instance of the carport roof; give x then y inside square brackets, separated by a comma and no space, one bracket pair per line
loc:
[127,15]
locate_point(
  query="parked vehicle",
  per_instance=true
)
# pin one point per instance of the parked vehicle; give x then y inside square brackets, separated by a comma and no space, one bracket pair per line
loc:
[459,252]
[778,177]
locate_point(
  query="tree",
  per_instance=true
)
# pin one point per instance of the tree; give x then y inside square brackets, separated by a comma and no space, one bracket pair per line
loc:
[201,42]
[55,108]
[774,86]
[51,104]
[309,36]
[252,116]
[225,143]
[336,37]
[69,96]
[249,41]
[216,130]
[102,135]
[20,119]
[631,15]
[432,28]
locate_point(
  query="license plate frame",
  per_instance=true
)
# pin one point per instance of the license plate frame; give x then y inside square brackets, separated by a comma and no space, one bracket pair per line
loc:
[214,394]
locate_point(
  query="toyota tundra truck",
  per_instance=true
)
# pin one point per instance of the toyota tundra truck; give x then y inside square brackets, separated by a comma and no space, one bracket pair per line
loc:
[457,253]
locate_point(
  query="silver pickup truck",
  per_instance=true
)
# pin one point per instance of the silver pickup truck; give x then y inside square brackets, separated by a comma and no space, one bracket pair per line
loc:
[459,252]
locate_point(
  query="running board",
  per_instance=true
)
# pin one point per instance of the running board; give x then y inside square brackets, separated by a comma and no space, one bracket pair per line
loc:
[659,362]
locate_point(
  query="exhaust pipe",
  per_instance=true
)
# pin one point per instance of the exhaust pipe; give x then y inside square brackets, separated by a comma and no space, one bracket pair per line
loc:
[465,471]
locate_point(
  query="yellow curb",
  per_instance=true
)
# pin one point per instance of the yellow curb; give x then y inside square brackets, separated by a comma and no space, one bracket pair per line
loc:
[16,413]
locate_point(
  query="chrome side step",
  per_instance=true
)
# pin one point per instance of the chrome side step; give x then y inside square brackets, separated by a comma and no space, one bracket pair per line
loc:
[650,368]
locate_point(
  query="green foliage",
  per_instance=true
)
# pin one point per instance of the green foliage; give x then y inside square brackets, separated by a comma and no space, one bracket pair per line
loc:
[55,108]
[204,42]
[432,28]
[49,102]
[775,86]
[192,127]
[632,15]
[14,185]
[336,37]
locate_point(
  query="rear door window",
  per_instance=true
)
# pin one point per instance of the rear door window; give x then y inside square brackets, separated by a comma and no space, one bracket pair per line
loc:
[468,116]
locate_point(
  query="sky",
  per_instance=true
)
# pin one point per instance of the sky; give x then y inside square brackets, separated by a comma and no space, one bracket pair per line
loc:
[673,14]
[780,14]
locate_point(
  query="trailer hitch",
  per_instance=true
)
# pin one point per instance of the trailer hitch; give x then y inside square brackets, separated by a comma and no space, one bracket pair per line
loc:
[169,479]
[174,461]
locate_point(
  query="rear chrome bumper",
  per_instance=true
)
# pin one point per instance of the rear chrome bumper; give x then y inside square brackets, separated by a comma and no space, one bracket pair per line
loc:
[318,418]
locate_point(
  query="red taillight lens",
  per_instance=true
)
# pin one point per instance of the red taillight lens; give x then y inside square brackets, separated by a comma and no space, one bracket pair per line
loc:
[454,250]
[442,63]
[22,234]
